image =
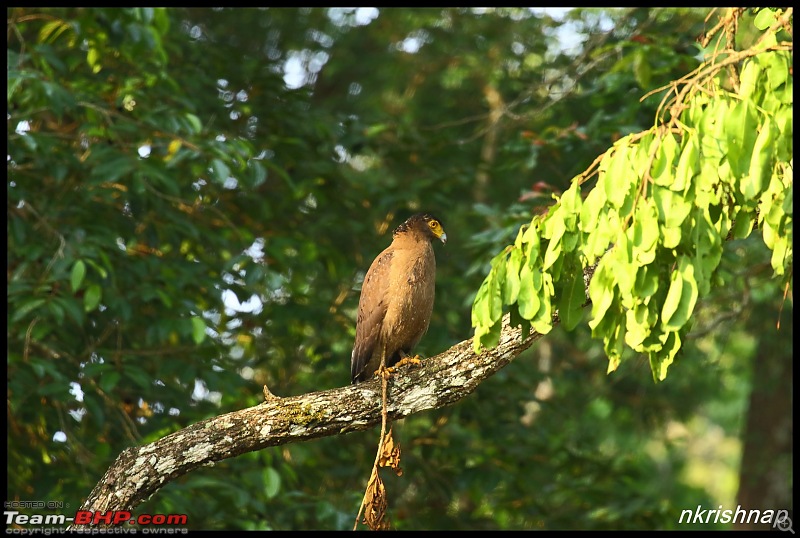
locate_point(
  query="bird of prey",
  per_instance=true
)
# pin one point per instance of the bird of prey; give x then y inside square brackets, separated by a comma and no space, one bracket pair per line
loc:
[396,302]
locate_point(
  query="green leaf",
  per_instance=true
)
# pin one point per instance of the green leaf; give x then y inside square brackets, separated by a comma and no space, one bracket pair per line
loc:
[601,291]
[57,310]
[777,66]
[748,79]
[673,300]
[624,268]
[688,164]
[617,180]
[542,322]
[109,381]
[220,170]
[681,297]
[93,59]
[111,169]
[661,360]
[637,326]
[528,299]
[760,170]
[198,330]
[374,130]
[76,277]
[601,235]
[741,133]
[141,378]
[259,173]
[673,208]
[516,320]
[283,174]
[15,80]
[591,209]
[646,283]
[100,269]
[613,344]
[511,285]
[477,343]
[670,237]
[553,229]
[45,367]
[480,306]
[613,363]
[553,251]
[166,300]
[272,482]
[496,278]
[784,120]
[92,296]
[491,337]
[520,234]
[26,307]
[780,252]
[662,171]
[73,307]
[568,242]
[764,19]
[51,30]
[645,232]
[532,240]
[194,122]
[788,200]
[571,206]
[553,224]
[542,280]
[743,224]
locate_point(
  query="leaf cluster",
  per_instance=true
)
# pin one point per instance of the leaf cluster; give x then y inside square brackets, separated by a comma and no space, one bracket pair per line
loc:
[663,203]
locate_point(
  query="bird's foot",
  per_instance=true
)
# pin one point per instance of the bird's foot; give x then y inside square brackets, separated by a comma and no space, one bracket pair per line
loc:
[414,361]
[382,372]
[390,370]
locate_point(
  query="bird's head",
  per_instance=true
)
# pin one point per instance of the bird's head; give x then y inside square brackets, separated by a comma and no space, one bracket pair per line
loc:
[424,223]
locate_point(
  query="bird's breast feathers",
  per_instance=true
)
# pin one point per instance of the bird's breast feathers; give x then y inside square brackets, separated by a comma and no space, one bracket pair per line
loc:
[412,292]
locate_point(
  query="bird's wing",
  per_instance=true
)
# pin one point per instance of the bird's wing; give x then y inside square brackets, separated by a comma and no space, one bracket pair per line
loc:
[371,311]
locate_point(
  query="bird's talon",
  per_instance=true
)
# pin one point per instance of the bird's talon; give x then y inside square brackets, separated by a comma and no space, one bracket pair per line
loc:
[413,361]
[383,372]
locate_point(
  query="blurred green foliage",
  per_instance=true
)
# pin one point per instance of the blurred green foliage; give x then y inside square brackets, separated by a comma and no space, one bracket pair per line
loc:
[188,222]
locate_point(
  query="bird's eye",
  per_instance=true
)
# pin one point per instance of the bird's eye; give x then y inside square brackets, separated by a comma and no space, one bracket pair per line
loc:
[433,224]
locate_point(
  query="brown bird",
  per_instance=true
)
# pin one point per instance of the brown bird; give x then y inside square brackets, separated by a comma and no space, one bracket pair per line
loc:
[396,302]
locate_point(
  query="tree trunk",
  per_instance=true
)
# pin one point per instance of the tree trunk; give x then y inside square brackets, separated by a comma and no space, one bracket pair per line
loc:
[764,483]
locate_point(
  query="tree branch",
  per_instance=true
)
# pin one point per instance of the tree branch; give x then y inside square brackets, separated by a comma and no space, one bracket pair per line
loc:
[139,472]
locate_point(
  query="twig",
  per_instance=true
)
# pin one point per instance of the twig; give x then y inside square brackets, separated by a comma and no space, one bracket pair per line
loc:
[732,314]
[26,349]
